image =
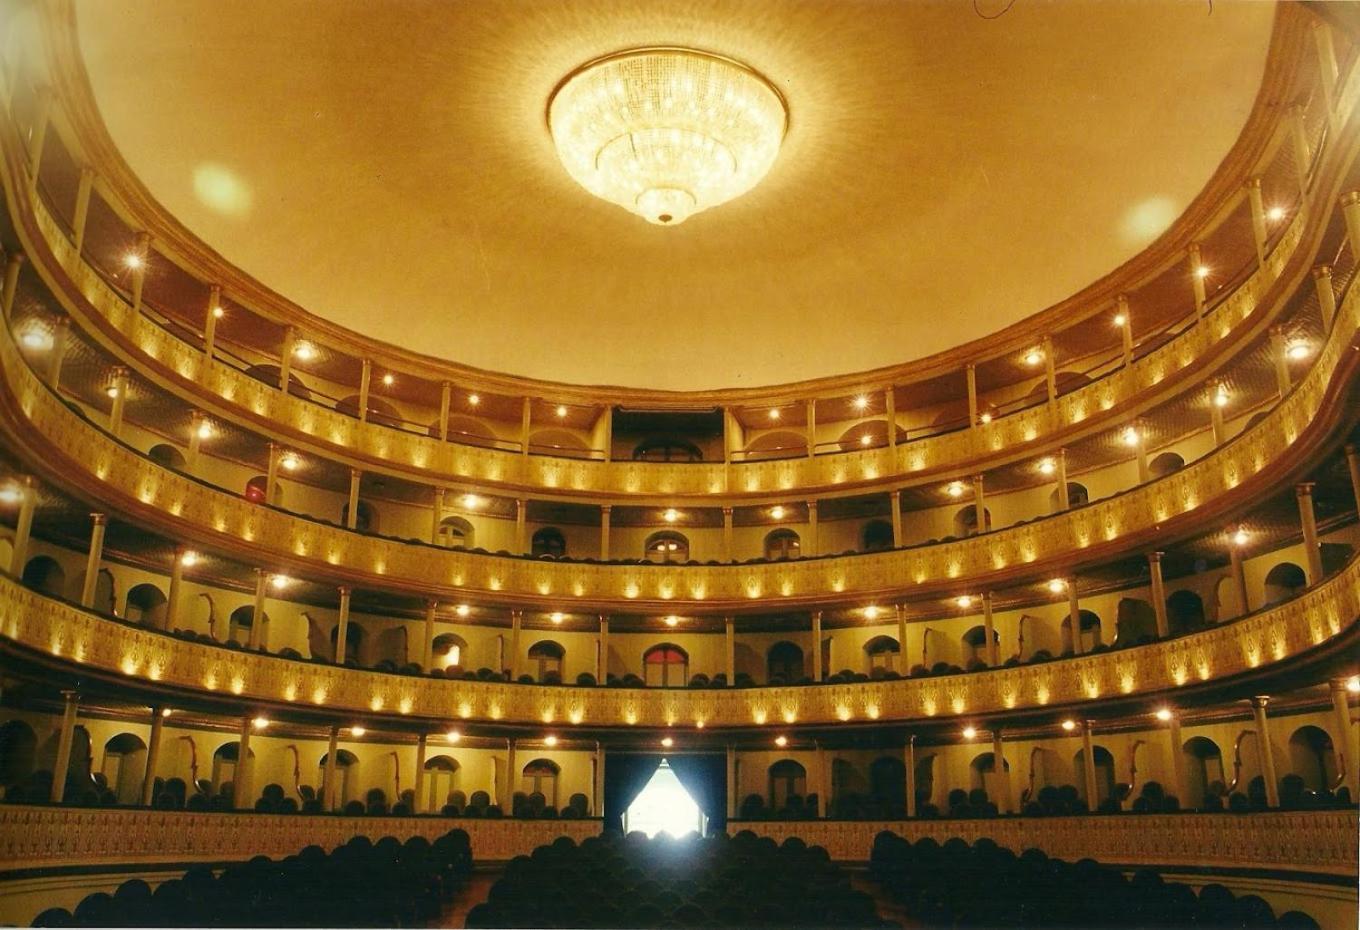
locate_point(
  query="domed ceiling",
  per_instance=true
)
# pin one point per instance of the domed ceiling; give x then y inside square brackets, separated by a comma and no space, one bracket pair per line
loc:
[388,165]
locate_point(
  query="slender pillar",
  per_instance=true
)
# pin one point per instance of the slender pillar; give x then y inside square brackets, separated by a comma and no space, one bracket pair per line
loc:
[602,651]
[817,670]
[979,504]
[61,339]
[895,503]
[37,139]
[257,614]
[62,765]
[811,407]
[1158,594]
[342,626]
[96,553]
[329,783]
[1088,766]
[1353,466]
[240,793]
[606,511]
[729,434]
[1173,732]
[1239,577]
[176,591]
[1074,616]
[23,528]
[1350,210]
[1197,278]
[120,389]
[1125,323]
[1344,741]
[418,802]
[445,401]
[365,385]
[1064,495]
[890,415]
[819,765]
[730,644]
[212,315]
[153,753]
[352,512]
[732,801]
[525,422]
[1258,218]
[521,525]
[989,630]
[1140,452]
[286,357]
[196,422]
[597,784]
[436,516]
[511,776]
[1326,295]
[1050,372]
[607,433]
[727,534]
[1003,802]
[971,372]
[1258,712]
[909,762]
[812,543]
[271,476]
[81,214]
[427,648]
[11,286]
[901,615]
[1279,355]
[516,624]
[1216,412]
[1327,68]
[1298,136]
[1304,492]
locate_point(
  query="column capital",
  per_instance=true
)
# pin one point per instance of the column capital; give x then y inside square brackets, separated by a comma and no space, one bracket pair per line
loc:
[1155,557]
[971,366]
[1304,488]
[606,508]
[431,604]
[356,472]
[1253,183]
[817,616]
[1352,449]
[70,695]
[99,519]
[727,511]
[1340,685]
[1350,198]
[17,258]
[895,494]
[366,363]
[1193,251]
[345,590]
[812,506]
[1322,271]
[1260,701]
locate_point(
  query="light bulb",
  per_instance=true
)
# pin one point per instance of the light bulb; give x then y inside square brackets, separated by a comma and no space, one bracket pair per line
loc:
[1298,350]
[861,402]
[205,430]
[189,559]
[35,337]
[774,414]
[1057,585]
[965,601]
[133,261]
[672,620]
[453,736]
[260,723]
[462,610]
[474,399]
[1241,537]
[969,732]
[471,501]
[304,351]
[550,740]
[1275,214]
[1069,725]
[956,489]
[389,380]
[671,515]
[781,741]
[290,462]
[1120,319]
[1163,714]
[1033,357]
[357,731]
[556,616]
[871,612]
[1202,272]
[1048,466]
[777,512]
[667,742]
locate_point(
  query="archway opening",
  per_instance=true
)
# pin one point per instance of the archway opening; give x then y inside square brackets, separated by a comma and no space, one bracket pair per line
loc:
[664,806]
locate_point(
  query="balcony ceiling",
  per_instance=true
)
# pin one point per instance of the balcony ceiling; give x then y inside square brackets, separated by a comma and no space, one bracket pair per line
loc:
[388,166]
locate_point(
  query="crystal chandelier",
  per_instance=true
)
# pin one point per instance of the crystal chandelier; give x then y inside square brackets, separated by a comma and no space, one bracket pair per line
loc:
[666,132]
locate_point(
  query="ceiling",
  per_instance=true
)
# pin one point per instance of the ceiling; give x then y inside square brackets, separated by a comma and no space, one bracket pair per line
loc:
[388,166]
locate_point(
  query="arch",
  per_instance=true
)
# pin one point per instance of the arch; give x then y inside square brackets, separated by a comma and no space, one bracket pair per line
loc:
[124,767]
[379,410]
[449,650]
[441,778]
[876,536]
[346,777]
[1135,622]
[270,375]
[883,652]
[255,490]
[667,449]
[226,762]
[462,428]
[541,776]
[1164,464]
[787,779]
[666,547]
[1283,582]
[888,784]
[1077,496]
[146,605]
[965,521]
[1104,766]
[456,533]
[166,456]
[45,575]
[982,774]
[1312,757]
[549,541]
[365,517]
[1184,612]
[1203,764]
[782,544]
[784,662]
[1090,632]
[975,643]
[240,622]
[547,655]
[18,752]
[665,665]
[776,444]
[354,638]
[557,440]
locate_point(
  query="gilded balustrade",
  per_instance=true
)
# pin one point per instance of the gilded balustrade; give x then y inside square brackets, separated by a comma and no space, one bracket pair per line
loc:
[1273,636]
[123,479]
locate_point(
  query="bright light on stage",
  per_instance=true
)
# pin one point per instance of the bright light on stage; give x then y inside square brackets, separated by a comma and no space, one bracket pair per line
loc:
[664,806]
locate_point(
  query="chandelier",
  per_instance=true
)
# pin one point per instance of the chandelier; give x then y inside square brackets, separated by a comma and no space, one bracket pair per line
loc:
[666,132]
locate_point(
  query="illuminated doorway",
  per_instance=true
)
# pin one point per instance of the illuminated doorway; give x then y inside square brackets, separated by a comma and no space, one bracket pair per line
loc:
[664,806]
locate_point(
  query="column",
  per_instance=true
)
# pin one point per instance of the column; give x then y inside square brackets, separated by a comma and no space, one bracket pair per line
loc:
[286,357]
[212,315]
[1088,766]
[418,786]
[727,534]
[143,250]
[1158,594]
[1327,69]
[23,528]
[153,753]
[1312,549]
[196,422]
[1050,372]
[819,761]
[1140,452]
[1173,732]
[352,512]
[1350,210]
[1197,278]
[240,794]
[810,547]
[1239,577]
[729,435]
[730,644]
[1326,295]
[84,187]
[602,651]
[732,808]
[895,503]
[1299,139]
[342,626]
[597,782]
[1003,803]
[811,407]
[817,646]
[1064,496]
[890,415]
[61,767]
[516,623]
[525,421]
[1344,741]
[909,761]
[1124,321]
[1258,712]
[436,516]
[979,504]
[1258,218]
[329,783]
[989,629]
[11,286]
[605,515]
[971,372]
[445,401]
[37,140]
[92,560]
[901,616]
[271,476]
[176,591]
[511,777]
[1353,466]
[427,648]
[120,385]
[257,615]
[521,525]
[1216,390]
[1074,616]
[1279,355]
[60,341]
[365,385]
